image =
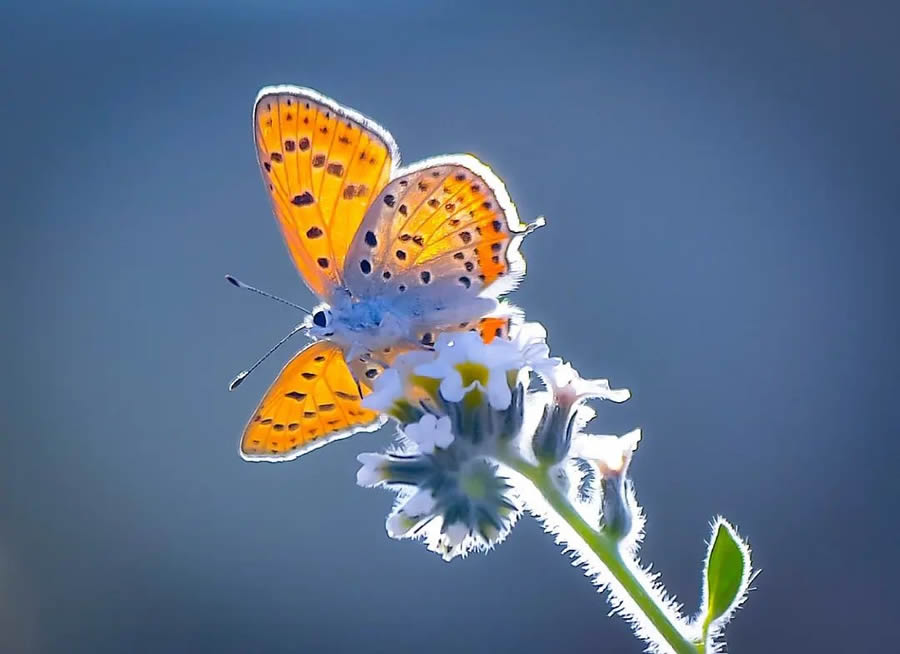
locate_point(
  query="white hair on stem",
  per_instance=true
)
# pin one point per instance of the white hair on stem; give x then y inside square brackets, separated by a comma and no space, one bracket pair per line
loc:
[583,556]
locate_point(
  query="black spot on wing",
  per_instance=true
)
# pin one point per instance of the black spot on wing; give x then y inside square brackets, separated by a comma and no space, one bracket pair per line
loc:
[303,200]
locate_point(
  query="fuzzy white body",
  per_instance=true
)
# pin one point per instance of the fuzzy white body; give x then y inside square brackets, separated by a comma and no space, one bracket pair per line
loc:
[368,325]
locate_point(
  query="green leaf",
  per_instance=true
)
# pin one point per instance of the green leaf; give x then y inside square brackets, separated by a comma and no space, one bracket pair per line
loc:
[726,575]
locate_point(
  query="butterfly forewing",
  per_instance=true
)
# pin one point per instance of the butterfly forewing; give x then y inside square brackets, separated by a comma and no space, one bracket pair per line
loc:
[322,165]
[447,223]
[314,401]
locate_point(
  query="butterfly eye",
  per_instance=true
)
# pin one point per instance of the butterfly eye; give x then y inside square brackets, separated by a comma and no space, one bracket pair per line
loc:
[320,319]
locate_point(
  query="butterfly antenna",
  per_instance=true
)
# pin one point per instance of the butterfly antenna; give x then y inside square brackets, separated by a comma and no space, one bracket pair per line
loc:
[236,282]
[241,376]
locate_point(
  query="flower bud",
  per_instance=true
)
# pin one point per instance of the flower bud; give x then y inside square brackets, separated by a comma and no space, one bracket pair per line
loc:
[611,456]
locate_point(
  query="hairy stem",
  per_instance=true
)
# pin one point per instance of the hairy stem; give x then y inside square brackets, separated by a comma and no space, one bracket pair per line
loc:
[607,551]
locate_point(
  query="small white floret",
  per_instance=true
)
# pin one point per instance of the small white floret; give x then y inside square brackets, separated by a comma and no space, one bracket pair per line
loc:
[430,432]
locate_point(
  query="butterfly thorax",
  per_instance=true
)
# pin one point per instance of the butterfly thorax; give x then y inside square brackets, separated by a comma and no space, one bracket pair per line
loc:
[365,324]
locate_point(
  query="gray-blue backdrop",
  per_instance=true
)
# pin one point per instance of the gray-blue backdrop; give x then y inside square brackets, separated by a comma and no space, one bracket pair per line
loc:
[721,187]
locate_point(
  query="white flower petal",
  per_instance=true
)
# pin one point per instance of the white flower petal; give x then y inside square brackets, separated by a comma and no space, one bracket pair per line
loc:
[530,341]
[391,385]
[418,432]
[452,388]
[436,369]
[419,505]
[499,394]
[455,534]
[444,340]
[498,358]
[387,389]
[407,361]
[398,525]
[611,453]
[371,473]
[561,376]
[444,433]
[427,423]
[568,386]
[529,332]
[429,432]
[599,388]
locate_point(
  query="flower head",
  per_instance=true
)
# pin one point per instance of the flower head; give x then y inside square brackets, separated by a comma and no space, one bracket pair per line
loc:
[530,339]
[569,387]
[393,391]
[472,508]
[461,409]
[566,414]
[611,454]
[465,363]
[457,407]
[455,504]
[610,457]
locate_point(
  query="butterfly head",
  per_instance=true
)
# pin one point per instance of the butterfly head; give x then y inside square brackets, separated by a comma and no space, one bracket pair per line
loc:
[359,323]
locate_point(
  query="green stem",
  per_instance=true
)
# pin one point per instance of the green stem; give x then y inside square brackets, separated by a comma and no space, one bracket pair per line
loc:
[607,550]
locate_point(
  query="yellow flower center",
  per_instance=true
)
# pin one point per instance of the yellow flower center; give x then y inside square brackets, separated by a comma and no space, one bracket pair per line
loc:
[472,372]
[474,486]
[428,384]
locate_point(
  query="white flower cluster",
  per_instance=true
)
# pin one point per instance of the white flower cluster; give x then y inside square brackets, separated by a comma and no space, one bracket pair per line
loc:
[461,409]
[461,362]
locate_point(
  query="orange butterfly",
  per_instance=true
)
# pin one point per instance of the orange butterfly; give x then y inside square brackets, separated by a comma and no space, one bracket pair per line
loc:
[396,255]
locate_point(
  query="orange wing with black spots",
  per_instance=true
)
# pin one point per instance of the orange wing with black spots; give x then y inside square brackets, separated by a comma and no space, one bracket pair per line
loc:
[447,223]
[322,165]
[489,328]
[314,401]
[494,327]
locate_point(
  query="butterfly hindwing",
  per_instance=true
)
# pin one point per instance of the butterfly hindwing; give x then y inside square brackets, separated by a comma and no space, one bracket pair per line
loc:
[446,223]
[313,401]
[322,165]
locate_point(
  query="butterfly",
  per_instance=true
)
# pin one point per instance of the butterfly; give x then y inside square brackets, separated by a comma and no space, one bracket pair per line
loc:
[395,255]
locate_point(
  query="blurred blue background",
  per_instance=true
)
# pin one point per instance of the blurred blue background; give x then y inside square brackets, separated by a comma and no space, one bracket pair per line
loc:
[721,187]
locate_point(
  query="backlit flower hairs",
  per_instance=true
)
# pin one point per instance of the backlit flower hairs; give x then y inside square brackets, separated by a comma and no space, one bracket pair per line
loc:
[465,411]
[487,430]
